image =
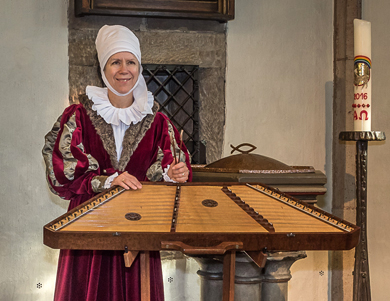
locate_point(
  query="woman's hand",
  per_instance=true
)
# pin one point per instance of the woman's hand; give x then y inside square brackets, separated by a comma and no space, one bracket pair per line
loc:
[178,172]
[127,181]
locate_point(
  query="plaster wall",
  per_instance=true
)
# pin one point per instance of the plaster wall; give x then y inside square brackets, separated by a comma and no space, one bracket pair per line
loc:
[378,205]
[279,98]
[33,77]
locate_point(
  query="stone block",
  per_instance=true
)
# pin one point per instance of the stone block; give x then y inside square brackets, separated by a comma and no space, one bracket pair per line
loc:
[212,111]
[79,78]
[81,49]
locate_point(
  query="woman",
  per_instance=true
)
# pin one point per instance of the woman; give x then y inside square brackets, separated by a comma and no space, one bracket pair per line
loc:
[115,136]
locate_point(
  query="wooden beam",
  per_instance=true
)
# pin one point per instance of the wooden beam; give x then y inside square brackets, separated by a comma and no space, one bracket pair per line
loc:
[229,269]
[145,276]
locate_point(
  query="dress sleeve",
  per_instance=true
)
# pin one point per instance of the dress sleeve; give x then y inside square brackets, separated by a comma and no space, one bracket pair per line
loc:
[166,153]
[70,170]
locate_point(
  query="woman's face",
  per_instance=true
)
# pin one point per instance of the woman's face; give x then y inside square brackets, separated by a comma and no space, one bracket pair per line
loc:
[121,71]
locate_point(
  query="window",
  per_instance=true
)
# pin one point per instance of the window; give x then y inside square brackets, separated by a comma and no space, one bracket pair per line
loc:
[176,90]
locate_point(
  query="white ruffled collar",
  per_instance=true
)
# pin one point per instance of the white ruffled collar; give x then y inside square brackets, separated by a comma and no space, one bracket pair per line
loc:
[112,115]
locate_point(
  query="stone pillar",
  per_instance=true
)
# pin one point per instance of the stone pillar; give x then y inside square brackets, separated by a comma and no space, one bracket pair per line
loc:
[210,278]
[247,278]
[277,275]
[251,282]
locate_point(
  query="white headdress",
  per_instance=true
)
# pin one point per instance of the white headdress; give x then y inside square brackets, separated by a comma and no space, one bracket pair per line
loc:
[114,39]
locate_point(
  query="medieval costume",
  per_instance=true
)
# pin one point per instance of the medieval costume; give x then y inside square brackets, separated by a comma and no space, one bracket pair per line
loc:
[89,145]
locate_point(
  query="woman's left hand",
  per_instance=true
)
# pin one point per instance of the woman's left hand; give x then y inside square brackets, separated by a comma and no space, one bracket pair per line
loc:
[127,181]
[178,172]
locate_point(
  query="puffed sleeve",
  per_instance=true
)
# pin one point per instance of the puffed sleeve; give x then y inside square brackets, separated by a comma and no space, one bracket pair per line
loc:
[166,153]
[70,170]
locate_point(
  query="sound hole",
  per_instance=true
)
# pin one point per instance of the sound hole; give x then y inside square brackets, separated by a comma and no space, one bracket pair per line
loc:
[132,216]
[209,203]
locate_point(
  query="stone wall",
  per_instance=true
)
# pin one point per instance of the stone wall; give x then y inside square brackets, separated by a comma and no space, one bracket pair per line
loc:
[163,41]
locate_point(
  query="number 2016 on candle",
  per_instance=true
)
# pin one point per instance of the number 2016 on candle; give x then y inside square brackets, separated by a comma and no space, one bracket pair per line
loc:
[361,96]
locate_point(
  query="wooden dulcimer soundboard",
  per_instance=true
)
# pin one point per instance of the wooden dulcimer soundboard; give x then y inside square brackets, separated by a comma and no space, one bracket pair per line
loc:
[199,218]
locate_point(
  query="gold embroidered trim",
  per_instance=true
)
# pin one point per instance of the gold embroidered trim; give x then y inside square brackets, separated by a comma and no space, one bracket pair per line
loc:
[155,171]
[93,163]
[98,183]
[47,152]
[69,160]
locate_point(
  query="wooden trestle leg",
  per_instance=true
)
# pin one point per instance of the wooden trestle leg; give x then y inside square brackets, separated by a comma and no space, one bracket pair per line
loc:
[129,257]
[145,276]
[229,270]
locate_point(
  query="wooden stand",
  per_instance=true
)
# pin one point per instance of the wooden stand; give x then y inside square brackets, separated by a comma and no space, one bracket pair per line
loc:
[228,249]
[229,263]
[145,276]
[229,269]
[129,257]
[361,278]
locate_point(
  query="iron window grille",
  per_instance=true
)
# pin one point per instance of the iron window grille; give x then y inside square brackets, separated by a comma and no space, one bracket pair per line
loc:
[176,89]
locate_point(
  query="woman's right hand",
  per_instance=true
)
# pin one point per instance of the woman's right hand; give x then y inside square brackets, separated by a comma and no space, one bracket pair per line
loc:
[127,181]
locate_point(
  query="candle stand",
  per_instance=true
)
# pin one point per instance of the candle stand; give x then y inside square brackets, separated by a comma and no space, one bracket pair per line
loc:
[361,278]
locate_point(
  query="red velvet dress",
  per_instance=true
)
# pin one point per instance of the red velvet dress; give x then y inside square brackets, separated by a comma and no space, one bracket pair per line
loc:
[80,154]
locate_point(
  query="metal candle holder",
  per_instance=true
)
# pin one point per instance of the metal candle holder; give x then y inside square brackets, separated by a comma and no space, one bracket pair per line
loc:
[361,276]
